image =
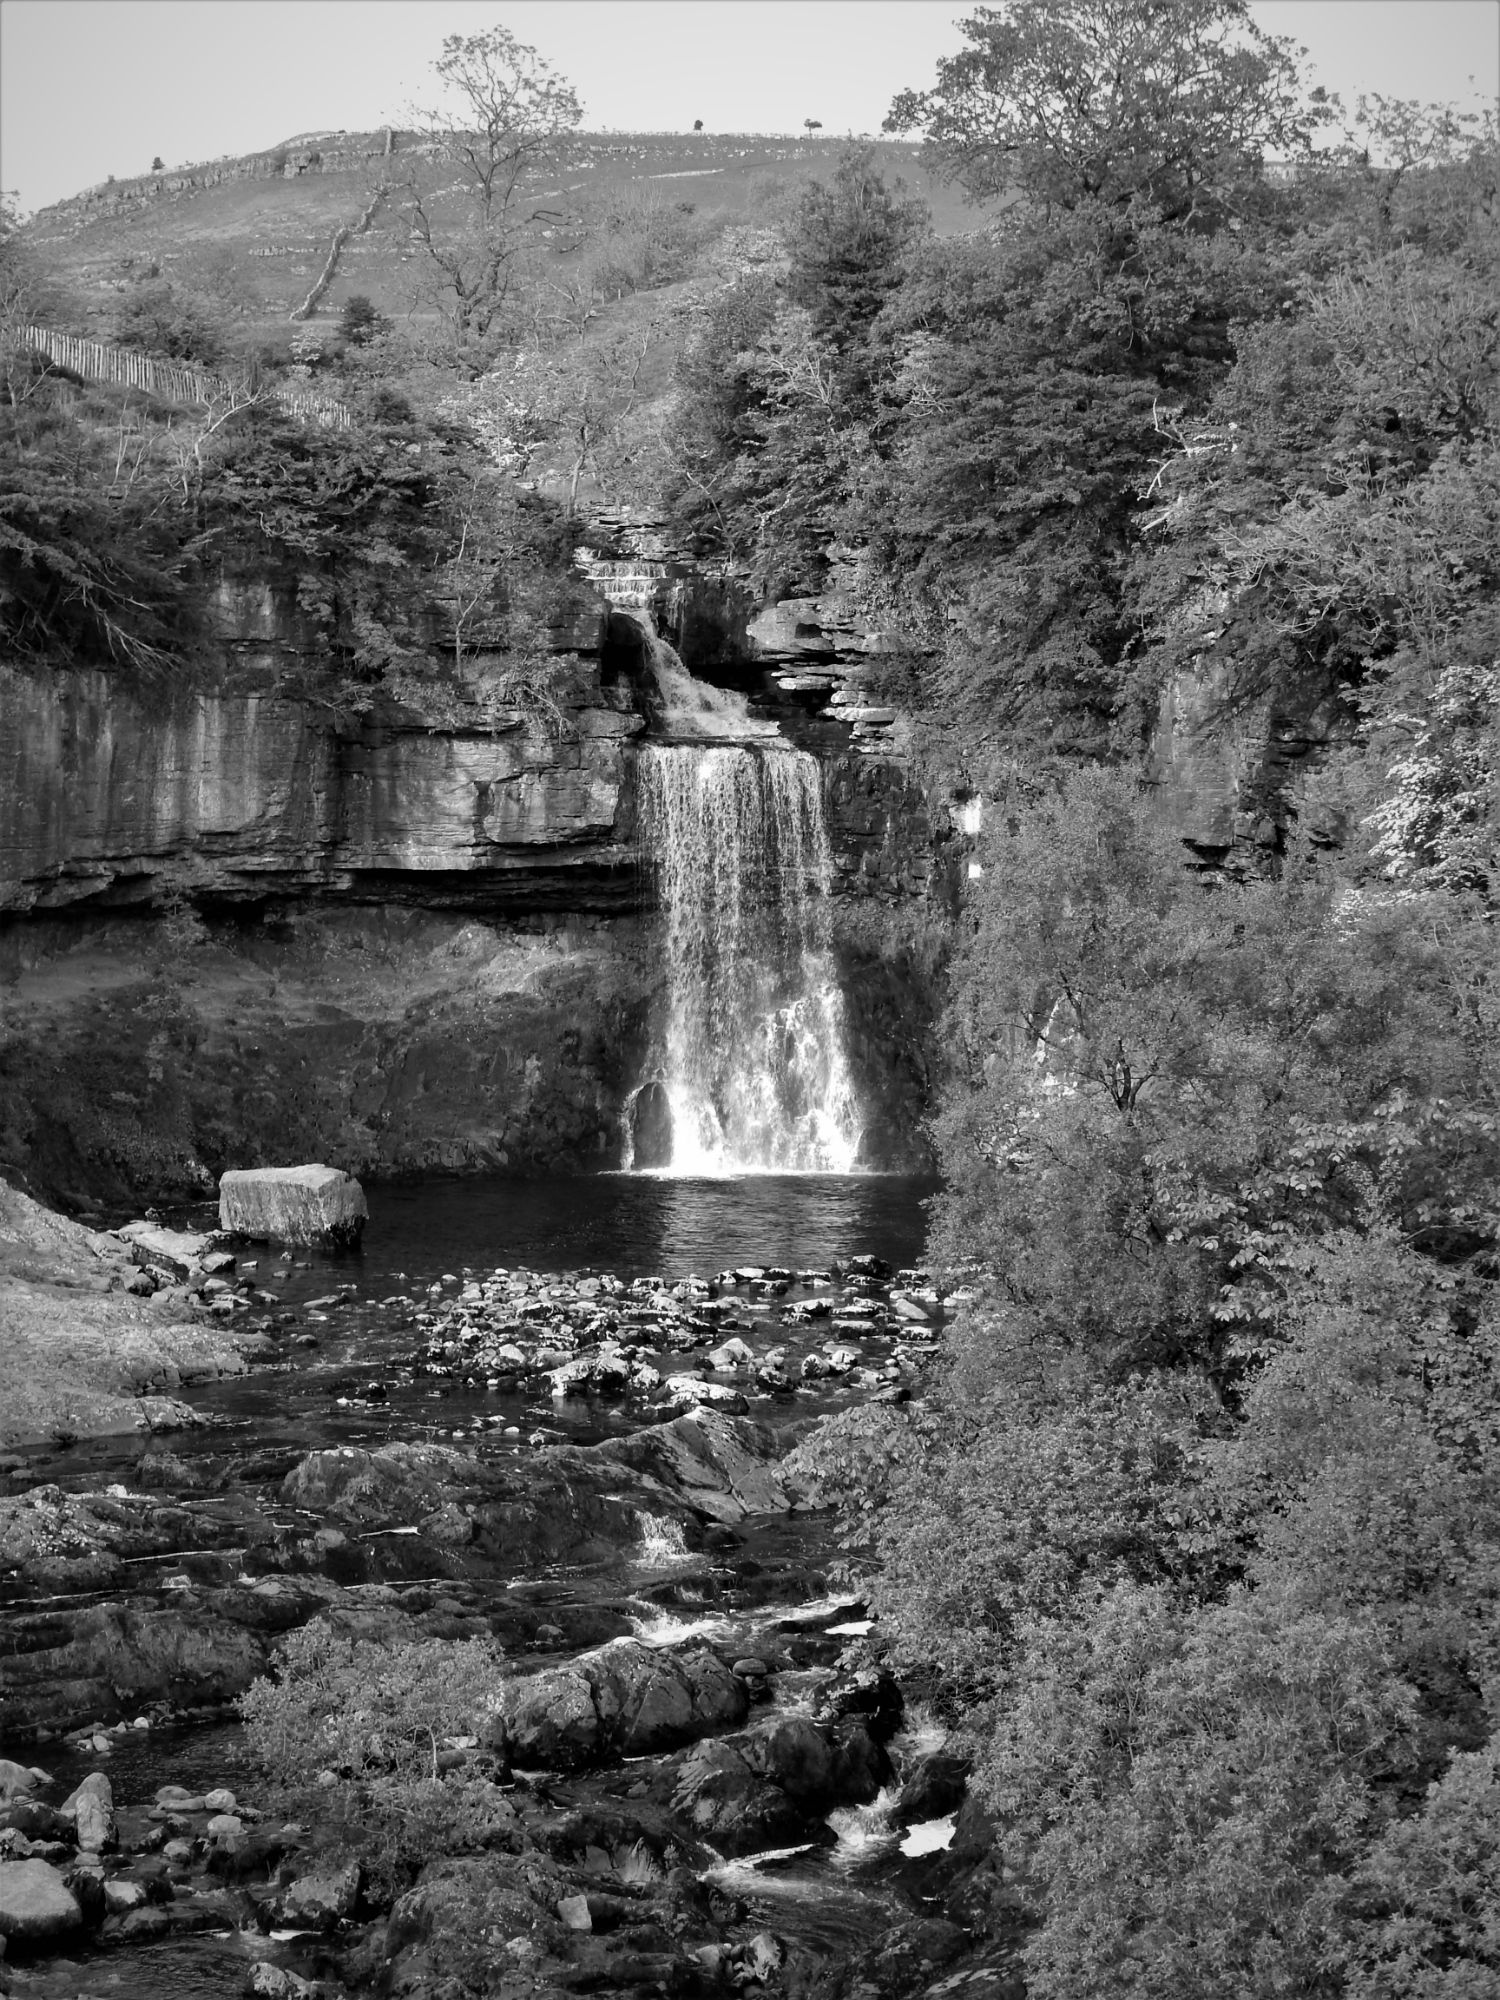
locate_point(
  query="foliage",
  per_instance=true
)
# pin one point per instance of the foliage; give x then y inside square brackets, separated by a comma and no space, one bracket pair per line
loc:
[1199,1526]
[846,242]
[1079,101]
[95,545]
[163,318]
[362,1728]
[1167,1086]
[1434,1930]
[1192,1789]
[359,322]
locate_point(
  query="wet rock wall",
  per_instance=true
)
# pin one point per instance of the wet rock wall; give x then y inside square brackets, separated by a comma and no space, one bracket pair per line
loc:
[238,927]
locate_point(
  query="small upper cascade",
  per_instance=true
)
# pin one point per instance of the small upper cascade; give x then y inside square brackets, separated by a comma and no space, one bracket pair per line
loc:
[689,710]
[632,584]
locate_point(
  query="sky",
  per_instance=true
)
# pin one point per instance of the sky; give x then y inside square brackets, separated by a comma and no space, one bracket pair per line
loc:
[90,88]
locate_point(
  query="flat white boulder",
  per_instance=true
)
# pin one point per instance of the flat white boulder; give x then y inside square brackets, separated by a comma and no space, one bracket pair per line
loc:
[321,1205]
[179,1248]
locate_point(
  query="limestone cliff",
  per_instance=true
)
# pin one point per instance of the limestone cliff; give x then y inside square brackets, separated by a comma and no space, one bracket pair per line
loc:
[239,927]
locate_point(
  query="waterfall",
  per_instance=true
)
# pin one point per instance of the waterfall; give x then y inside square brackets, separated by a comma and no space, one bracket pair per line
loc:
[748,1072]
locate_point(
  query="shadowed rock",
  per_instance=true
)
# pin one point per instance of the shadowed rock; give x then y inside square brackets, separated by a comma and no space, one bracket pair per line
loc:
[625,1699]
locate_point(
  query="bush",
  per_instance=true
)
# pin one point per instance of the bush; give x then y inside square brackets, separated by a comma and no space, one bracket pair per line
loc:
[162,318]
[359,322]
[366,1733]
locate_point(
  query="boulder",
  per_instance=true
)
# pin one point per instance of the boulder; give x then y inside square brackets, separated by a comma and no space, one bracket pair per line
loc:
[36,1906]
[935,1786]
[35,1820]
[867,1691]
[122,1894]
[304,1205]
[324,1898]
[19,1780]
[623,1699]
[267,1981]
[180,1250]
[92,1805]
[732,1806]
[773,1785]
[723,1466]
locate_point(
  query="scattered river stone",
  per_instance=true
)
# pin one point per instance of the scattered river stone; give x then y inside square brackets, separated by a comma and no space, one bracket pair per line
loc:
[36,1906]
[93,1808]
[323,1898]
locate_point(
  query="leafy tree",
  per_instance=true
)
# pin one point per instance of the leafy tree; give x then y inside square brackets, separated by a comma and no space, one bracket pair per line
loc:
[1165,1087]
[163,318]
[1192,1791]
[1433,1932]
[96,542]
[360,322]
[30,294]
[1069,102]
[847,241]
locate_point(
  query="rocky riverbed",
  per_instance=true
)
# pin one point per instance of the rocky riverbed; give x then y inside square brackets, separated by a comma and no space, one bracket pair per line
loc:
[700,1779]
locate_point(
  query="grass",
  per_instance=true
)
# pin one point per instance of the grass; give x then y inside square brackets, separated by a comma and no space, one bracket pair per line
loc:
[114,232]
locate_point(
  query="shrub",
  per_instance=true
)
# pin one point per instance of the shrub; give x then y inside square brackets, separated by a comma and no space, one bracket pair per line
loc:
[359,322]
[364,1733]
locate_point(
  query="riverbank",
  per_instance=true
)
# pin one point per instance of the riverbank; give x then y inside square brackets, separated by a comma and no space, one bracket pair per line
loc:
[80,1355]
[697,1776]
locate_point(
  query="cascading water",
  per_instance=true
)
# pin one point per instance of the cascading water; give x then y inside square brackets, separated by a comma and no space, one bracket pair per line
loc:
[749,1072]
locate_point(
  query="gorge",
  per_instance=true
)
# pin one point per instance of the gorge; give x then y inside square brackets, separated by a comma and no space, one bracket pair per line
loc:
[870,807]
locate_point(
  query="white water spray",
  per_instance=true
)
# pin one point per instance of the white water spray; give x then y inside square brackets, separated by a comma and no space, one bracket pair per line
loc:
[661,1540]
[749,1072]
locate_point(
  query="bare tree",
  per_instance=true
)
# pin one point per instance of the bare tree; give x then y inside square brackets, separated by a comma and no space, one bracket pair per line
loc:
[503,116]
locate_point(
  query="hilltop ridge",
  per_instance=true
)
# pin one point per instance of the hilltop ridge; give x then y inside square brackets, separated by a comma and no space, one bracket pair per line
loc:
[273,212]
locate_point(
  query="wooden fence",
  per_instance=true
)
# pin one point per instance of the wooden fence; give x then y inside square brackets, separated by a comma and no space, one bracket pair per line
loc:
[174,380]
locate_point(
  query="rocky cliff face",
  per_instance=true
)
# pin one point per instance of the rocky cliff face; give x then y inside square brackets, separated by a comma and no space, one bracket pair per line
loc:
[237,928]
[1224,772]
[108,798]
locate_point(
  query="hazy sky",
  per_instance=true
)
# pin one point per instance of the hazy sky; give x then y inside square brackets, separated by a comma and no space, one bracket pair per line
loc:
[90,88]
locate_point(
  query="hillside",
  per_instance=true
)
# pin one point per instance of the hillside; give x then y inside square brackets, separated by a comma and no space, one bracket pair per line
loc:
[263,222]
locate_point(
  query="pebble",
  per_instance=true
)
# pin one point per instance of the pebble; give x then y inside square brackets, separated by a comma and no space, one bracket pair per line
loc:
[511,1331]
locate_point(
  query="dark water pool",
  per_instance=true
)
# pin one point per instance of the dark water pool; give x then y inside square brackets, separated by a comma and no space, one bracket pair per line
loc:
[636,1224]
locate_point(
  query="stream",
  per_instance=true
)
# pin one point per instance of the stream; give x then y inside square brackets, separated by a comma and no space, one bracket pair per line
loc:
[364,1359]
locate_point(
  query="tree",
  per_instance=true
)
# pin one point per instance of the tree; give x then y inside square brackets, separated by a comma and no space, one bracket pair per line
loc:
[697,124]
[563,410]
[157,164]
[811,125]
[504,115]
[1191,1791]
[847,241]
[164,318]
[29,293]
[1064,101]
[1165,1088]
[360,322]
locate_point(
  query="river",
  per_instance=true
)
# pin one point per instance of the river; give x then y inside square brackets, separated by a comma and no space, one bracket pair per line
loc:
[357,1381]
